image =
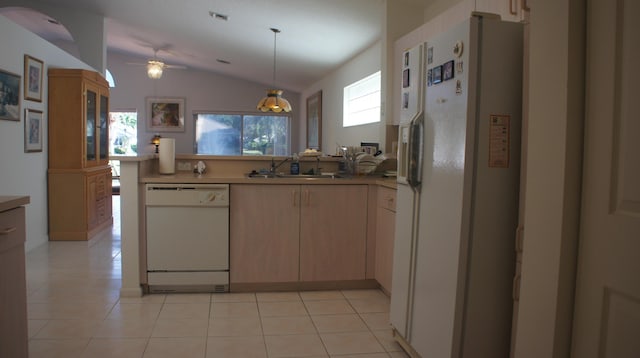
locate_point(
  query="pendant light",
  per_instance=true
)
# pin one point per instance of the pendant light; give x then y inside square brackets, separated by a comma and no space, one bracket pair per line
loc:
[274,101]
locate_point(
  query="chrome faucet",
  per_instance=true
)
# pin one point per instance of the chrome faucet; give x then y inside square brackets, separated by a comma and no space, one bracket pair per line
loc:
[275,166]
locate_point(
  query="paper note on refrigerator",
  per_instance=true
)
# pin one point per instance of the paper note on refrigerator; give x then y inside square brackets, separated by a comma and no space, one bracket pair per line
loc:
[499,141]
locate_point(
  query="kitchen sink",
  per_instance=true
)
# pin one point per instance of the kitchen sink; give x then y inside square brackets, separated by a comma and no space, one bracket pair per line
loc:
[260,175]
[293,176]
[310,176]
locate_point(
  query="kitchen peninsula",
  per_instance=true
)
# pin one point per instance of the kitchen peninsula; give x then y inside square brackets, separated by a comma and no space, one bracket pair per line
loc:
[311,233]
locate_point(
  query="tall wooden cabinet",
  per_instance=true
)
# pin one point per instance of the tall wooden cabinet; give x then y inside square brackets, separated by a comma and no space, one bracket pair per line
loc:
[79,174]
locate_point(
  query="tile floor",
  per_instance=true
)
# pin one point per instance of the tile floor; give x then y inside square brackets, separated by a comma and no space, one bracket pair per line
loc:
[74,310]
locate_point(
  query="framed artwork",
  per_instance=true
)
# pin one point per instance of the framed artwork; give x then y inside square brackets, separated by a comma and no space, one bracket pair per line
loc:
[405,78]
[9,96]
[436,75]
[447,71]
[32,130]
[165,114]
[314,121]
[33,69]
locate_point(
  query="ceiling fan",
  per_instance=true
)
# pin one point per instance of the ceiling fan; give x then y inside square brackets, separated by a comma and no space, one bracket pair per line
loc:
[155,66]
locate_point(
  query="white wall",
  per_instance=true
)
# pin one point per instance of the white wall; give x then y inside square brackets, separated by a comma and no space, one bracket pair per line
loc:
[332,86]
[203,91]
[26,173]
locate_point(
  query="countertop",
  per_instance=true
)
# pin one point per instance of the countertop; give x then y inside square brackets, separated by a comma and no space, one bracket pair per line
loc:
[11,202]
[192,178]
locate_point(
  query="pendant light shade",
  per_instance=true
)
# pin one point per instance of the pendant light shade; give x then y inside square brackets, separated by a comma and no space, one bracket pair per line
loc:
[274,102]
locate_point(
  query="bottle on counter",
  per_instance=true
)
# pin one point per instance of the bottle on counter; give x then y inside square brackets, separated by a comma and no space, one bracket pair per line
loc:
[295,165]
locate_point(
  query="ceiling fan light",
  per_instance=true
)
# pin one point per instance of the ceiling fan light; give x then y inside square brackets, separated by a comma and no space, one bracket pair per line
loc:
[274,102]
[154,69]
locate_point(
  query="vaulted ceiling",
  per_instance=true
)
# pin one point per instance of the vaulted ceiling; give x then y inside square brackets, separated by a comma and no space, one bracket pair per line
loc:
[316,36]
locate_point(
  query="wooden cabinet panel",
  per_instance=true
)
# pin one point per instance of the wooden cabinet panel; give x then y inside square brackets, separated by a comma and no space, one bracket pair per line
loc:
[79,203]
[333,228]
[289,233]
[92,199]
[264,230]
[13,296]
[385,231]
[78,123]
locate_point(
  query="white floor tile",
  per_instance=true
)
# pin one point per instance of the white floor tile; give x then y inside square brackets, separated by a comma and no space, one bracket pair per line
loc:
[75,310]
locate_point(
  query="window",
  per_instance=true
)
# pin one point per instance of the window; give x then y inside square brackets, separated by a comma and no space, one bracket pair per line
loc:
[123,133]
[362,101]
[123,140]
[242,134]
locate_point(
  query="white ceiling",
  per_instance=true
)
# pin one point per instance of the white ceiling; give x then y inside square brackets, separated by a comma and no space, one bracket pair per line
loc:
[317,35]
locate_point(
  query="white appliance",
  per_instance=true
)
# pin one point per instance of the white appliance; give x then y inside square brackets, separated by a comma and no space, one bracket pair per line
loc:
[187,237]
[457,215]
[408,189]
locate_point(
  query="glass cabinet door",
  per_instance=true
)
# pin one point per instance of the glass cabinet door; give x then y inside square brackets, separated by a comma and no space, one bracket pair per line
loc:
[91,138]
[104,128]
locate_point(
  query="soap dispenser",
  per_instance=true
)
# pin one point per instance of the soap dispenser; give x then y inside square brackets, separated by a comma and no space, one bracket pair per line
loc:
[295,165]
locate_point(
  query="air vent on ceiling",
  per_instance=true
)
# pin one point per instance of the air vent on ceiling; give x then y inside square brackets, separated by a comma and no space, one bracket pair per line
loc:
[218,16]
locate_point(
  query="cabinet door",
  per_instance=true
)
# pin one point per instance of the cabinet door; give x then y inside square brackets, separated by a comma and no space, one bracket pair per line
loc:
[91,130]
[333,228]
[264,230]
[385,232]
[13,296]
[103,137]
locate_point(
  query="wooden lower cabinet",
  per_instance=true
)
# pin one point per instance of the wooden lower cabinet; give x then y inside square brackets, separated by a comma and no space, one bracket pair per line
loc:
[79,203]
[291,233]
[333,232]
[385,235]
[264,230]
[13,292]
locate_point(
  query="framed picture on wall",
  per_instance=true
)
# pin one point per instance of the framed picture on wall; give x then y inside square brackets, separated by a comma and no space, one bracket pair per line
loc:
[314,121]
[436,75]
[165,114]
[33,69]
[32,130]
[9,96]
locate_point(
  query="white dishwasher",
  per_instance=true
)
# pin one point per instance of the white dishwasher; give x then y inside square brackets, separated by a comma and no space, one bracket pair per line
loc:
[187,232]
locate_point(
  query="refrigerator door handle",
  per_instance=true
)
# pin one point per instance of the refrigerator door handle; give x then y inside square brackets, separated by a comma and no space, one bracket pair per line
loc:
[416,147]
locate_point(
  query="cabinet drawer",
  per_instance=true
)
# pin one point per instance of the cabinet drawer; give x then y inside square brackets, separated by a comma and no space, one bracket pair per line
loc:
[101,207]
[12,231]
[386,198]
[101,186]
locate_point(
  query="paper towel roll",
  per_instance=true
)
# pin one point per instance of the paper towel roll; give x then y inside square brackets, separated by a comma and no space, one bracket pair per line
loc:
[167,154]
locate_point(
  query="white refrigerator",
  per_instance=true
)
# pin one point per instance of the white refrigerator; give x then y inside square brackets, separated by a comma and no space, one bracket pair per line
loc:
[457,208]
